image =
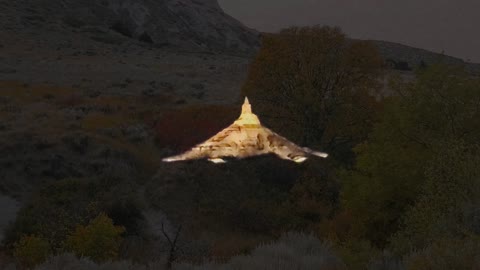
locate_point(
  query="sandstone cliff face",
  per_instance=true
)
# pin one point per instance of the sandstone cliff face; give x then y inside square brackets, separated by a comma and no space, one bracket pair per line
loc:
[185,24]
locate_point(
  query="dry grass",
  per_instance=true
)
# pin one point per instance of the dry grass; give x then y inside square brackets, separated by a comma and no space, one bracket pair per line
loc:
[145,153]
[96,121]
[22,92]
[292,251]
[114,102]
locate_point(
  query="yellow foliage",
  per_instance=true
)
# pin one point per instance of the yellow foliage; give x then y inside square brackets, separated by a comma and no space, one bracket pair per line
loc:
[100,240]
[31,250]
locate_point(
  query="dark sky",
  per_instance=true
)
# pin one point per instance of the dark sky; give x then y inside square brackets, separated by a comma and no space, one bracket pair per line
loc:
[451,26]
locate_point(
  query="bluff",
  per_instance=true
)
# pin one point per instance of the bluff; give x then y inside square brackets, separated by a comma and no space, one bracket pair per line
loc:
[185,24]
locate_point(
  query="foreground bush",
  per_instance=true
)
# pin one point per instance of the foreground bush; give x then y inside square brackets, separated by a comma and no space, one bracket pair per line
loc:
[292,251]
[100,240]
[55,209]
[30,251]
[52,212]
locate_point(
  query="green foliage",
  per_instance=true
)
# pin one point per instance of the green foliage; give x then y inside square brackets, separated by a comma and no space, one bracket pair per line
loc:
[315,87]
[31,250]
[452,187]
[425,117]
[386,180]
[443,103]
[100,240]
[449,195]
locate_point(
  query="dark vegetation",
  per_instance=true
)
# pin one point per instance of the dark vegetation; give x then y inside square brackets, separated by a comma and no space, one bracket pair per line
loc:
[400,191]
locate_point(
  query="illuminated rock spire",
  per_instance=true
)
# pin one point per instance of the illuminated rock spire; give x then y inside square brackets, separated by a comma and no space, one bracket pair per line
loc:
[246,107]
[247,118]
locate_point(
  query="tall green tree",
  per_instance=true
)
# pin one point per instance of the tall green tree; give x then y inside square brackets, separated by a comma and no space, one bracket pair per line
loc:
[421,120]
[449,204]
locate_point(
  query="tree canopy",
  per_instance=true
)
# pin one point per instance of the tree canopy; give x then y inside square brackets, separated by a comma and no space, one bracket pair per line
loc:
[416,157]
[314,85]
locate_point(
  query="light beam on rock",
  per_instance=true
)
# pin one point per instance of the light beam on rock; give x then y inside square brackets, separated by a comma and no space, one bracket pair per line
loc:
[246,137]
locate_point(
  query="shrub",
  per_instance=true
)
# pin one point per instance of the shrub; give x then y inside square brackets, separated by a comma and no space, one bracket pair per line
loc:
[31,250]
[53,211]
[100,240]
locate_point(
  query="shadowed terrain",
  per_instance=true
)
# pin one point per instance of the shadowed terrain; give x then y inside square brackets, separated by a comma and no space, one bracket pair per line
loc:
[94,94]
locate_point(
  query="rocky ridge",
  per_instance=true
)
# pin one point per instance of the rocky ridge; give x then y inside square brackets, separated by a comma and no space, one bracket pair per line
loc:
[405,57]
[187,24]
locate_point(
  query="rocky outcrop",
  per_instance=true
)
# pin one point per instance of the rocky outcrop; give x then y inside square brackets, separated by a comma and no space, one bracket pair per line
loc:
[188,24]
